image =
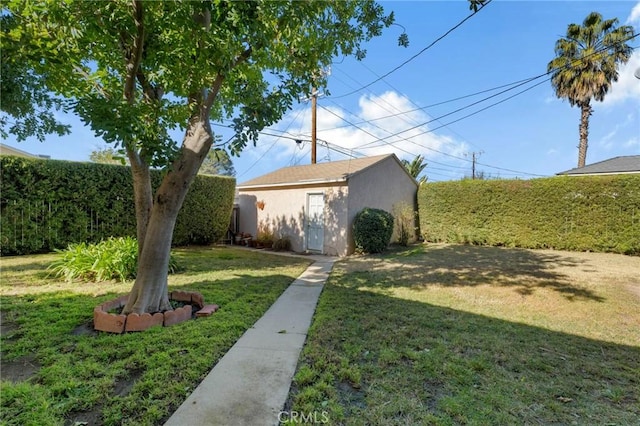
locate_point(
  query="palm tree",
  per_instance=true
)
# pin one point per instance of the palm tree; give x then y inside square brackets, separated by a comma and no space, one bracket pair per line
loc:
[416,167]
[586,64]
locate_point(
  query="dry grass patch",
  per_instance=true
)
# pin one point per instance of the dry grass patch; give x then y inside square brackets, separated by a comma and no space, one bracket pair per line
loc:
[595,295]
[449,335]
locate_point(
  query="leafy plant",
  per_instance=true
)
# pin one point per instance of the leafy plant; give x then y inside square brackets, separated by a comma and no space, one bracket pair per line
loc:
[404,223]
[265,235]
[372,230]
[282,244]
[110,259]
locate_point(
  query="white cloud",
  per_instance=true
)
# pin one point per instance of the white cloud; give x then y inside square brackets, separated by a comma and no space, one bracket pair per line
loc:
[633,142]
[618,131]
[374,120]
[634,17]
[627,86]
[607,140]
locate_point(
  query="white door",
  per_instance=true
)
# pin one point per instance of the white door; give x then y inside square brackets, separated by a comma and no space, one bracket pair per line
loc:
[315,222]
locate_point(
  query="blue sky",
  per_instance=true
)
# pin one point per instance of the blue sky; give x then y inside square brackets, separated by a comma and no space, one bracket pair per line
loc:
[531,135]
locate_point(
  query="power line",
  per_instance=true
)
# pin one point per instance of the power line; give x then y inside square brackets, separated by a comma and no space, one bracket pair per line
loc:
[518,83]
[419,53]
[515,85]
[424,147]
[522,82]
[268,149]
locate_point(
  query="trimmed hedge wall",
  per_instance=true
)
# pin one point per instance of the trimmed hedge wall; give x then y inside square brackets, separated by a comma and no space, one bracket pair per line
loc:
[47,204]
[589,213]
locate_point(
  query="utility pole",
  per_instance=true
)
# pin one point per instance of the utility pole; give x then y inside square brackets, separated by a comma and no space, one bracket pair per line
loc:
[474,158]
[314,102]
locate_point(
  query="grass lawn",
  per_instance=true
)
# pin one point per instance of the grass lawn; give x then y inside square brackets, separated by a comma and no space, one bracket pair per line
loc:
[450,335]
[73,374]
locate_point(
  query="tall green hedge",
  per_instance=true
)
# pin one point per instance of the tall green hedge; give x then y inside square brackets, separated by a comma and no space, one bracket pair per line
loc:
[589,213]
[47,204]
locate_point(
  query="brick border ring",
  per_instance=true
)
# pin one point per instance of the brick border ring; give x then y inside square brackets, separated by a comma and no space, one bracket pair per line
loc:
[118,323]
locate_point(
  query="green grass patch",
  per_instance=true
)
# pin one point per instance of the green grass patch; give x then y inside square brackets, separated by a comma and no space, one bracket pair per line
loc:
[450,335]
[129,379]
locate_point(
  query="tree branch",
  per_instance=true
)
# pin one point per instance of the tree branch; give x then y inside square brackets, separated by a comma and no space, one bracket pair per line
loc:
[135,55]
[217,84]
[87,77]
[151,92]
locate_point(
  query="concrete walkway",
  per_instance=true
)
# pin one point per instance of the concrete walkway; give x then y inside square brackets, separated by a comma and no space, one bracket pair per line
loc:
[250,384]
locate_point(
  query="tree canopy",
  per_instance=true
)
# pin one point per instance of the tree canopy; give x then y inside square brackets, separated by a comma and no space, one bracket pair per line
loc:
[27,106]
[133,70]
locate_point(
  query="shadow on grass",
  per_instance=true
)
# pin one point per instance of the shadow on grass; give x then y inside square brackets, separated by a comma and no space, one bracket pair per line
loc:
[32,266]
[230,258]
[468,266]
[82,374]
[408,362]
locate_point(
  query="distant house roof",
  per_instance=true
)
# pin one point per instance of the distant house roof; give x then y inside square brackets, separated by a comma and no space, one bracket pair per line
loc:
[612,166]
[331,172]
[8,150]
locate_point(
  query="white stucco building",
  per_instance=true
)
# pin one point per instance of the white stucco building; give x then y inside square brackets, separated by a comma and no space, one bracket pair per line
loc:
[314,205]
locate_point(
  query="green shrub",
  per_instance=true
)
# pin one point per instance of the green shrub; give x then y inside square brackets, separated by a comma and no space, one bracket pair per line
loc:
[372,230]
[589,213]
[206,211]
[49,204]
[110,259]
[282,244]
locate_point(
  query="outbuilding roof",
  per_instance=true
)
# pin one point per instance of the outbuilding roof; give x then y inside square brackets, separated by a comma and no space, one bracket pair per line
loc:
[9,150]
[331,172]
[616,165]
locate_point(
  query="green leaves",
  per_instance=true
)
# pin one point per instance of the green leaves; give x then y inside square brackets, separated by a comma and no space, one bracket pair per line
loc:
[372,230]
[587,58]
[48,204]
[27,107]
[83,50]
[590,213]
[110,259]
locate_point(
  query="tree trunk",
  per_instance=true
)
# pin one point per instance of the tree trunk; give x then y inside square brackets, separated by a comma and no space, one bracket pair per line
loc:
[150,292]
[584,133]
[143,196]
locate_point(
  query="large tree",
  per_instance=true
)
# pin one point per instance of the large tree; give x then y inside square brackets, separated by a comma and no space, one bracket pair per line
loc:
[586,64]
[135,70]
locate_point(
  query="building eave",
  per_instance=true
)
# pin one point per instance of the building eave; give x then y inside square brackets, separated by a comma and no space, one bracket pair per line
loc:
[296,184]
